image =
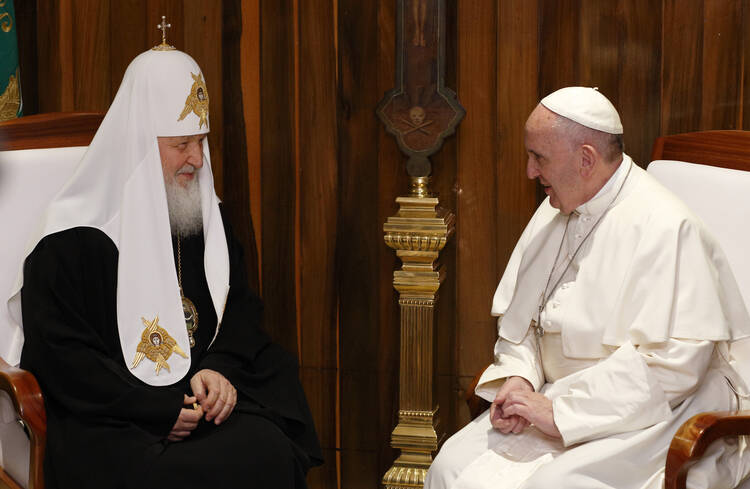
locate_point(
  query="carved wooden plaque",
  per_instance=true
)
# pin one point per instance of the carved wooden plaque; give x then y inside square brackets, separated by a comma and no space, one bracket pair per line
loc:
[420,111]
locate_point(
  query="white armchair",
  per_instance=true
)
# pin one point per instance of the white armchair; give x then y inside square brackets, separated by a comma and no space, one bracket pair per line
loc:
[37,154]
[710,172]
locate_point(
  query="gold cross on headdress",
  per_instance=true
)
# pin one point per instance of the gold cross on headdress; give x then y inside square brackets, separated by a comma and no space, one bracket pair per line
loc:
[163,28]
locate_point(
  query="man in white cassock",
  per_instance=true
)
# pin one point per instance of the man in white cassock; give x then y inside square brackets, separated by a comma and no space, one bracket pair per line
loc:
[619,319]
[137,318]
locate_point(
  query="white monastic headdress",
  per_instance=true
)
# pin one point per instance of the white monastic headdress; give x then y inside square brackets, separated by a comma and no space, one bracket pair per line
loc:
[586,106]
[118,188]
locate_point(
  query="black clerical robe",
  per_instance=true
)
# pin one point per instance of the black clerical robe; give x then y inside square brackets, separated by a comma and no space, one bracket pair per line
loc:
[108,429]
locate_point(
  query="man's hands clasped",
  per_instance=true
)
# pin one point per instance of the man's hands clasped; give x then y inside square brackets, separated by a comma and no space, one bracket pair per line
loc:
[187,421]
[215,394]
[516,405]
[214,398]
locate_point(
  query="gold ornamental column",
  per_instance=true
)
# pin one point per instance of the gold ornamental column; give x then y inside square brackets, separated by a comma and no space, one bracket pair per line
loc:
[417,232]
[420,112]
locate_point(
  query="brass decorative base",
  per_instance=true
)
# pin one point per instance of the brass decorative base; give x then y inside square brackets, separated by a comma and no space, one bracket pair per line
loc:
[416,437]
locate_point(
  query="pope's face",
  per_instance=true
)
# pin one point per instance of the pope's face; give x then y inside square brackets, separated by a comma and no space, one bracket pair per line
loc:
[181,157]
[553,161]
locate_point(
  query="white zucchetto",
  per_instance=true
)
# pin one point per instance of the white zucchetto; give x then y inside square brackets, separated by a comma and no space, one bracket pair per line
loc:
[586,106]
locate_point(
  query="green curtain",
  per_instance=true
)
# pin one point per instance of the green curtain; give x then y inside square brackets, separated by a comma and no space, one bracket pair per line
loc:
[11,105]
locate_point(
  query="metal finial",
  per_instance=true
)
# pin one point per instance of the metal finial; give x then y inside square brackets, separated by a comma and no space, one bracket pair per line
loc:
[163,28]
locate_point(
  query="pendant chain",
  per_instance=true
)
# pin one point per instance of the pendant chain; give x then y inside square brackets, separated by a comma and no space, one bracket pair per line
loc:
[179,263]
[188,308]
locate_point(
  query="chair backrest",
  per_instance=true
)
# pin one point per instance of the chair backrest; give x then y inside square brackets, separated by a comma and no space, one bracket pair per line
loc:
[710,172]
[36,159]
[37,155]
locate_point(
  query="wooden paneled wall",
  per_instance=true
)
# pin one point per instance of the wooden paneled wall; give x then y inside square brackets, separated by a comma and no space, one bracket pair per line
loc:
[319,175]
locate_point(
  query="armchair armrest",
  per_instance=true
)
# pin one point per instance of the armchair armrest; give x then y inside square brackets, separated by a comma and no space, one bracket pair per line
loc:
[27,399]
[694,436]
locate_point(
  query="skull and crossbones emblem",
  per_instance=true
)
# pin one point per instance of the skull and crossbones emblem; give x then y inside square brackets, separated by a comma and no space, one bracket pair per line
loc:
[416,121]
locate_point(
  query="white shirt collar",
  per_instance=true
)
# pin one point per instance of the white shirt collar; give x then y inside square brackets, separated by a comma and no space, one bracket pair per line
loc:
[603,198]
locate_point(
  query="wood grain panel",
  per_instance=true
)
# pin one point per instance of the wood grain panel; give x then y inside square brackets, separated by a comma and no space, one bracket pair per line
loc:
[50,130]
[64,49]
[320,386]
[129,36]
[559,23]
[49,67]
[235,170]
[368,327]
[359,235]
[722,68]
[518,61]
[357,395]
[173,10]
[55,44]
[356,467]
[250,74]
[447,329]
[318,211]
[723,148]
[90,55]
[277,156]
[318,182]
[598,43]
[358,389]
[465,383]
[639,75]
[682,55]
[476,175]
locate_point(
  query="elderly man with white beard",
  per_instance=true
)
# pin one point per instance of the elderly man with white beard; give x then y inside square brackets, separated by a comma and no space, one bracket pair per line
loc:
[138,321]
[618,315]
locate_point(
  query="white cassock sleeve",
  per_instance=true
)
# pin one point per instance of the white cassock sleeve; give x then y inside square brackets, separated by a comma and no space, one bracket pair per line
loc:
[511,359]
[634,388]
[520,360]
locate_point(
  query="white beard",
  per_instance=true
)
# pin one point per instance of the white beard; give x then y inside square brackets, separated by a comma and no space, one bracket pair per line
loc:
[184,203]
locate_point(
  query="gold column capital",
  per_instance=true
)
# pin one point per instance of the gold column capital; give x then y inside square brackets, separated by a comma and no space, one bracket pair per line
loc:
[418,232]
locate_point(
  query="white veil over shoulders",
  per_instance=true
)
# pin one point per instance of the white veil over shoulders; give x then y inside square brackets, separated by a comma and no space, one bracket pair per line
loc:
[118,188]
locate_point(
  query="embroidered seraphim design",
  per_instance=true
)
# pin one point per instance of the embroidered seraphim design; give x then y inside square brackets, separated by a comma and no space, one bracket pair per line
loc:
[156,345]
[197,101]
